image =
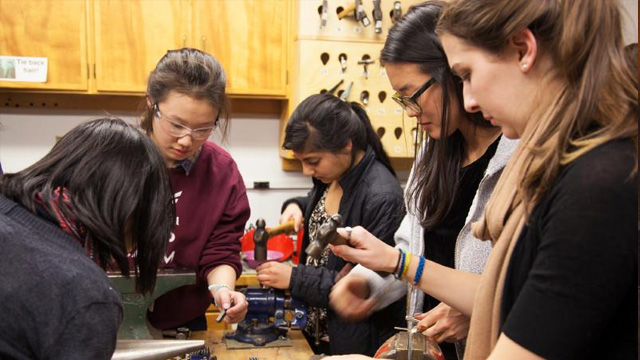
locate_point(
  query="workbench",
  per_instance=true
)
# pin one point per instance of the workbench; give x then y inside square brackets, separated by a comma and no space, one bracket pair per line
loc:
[213,339]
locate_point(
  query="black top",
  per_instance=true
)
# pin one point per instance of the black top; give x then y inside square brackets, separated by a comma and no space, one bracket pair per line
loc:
[372,198]
[56,302]
[570,287]
[440,242]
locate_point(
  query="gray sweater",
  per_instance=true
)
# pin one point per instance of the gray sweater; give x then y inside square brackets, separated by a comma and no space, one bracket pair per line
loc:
[470,253]
[56,302]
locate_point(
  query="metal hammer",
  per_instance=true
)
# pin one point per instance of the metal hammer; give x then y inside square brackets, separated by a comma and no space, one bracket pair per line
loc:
[262,235]
[328,234]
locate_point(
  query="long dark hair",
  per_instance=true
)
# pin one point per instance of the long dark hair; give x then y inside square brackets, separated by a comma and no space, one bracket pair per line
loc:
[119,189]
[434,183]
[322,122]
[189,72]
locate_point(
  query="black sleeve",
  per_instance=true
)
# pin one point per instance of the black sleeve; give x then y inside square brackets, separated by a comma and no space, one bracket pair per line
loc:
[586,263]
[382,216]
[90,334]
[312,284]
[301,201]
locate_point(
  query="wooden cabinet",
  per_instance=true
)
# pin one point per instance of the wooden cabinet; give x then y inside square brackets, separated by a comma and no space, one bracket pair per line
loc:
[250,39]
[51,29]
[110,46]
[131,36]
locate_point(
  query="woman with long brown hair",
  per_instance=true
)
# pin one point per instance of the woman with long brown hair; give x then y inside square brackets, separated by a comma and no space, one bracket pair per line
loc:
[456,169]
[560,281]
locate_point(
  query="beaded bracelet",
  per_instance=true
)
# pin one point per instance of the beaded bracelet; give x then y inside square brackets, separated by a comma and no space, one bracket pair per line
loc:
[419,271]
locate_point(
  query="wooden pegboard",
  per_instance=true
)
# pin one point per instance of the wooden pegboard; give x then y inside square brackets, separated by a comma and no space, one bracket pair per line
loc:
[326,55]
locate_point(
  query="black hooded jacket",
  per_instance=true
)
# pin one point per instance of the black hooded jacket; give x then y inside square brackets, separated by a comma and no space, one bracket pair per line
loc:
[373,199]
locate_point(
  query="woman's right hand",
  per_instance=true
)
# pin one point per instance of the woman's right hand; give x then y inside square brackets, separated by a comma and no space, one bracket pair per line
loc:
[292,212]
[349,298]
[366,250]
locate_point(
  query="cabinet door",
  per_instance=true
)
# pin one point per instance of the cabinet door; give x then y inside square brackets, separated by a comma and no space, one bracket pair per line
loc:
[47,29]
[250,39]
[131,36]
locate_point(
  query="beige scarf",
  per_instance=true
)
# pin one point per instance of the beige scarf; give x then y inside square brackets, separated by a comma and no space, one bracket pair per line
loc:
[502,223]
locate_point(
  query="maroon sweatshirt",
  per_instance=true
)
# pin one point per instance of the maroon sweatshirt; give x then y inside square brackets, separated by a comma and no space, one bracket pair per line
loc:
[212,209]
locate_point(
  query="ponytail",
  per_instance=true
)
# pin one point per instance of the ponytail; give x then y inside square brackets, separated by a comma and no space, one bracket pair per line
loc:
[372,138]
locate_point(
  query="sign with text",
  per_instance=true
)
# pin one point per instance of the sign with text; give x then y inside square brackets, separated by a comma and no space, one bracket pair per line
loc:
[20,68]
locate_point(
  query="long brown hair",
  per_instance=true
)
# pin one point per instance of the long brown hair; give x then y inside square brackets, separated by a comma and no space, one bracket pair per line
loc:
[583,39]
[435,180]
[189,72]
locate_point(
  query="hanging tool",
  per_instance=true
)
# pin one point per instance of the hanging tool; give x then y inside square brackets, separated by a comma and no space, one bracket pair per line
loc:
[364,97]
[348,11]
[397,11]
[366,61]
[324,13]
[345,94]
[335,87]
[361,15]
[343,62]
[377,16]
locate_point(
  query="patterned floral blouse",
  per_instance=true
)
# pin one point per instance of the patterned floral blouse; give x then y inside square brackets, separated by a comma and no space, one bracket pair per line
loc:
[317,317]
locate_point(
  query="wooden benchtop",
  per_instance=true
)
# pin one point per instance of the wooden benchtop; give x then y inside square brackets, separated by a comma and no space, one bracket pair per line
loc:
[213,339]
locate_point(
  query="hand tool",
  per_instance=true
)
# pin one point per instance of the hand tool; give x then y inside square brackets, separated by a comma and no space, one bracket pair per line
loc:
[361,15]
[223,312]
[396,14]
[343,62]
[261,235]
[366,61]
[345,94]
[324,13]
[377,16]
[335,87]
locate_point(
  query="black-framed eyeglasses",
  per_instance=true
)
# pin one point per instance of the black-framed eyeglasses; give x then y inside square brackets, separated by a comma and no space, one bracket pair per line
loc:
[178,130]
[411,102]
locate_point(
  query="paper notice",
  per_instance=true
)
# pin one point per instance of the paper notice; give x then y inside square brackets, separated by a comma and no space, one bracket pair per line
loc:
[20,68]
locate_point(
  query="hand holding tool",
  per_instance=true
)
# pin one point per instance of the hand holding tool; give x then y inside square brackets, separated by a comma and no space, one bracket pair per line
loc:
[223,312]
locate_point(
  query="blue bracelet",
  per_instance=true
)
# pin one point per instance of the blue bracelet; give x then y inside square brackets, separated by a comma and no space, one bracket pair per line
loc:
[399,273]
[419,271]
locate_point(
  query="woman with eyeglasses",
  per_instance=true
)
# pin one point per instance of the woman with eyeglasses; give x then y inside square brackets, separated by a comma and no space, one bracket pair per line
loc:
[186,103]
[561,279]
[452,178]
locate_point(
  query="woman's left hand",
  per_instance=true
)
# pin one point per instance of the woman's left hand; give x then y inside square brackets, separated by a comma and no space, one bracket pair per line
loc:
[443,323]
[274,274]
[224,298]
